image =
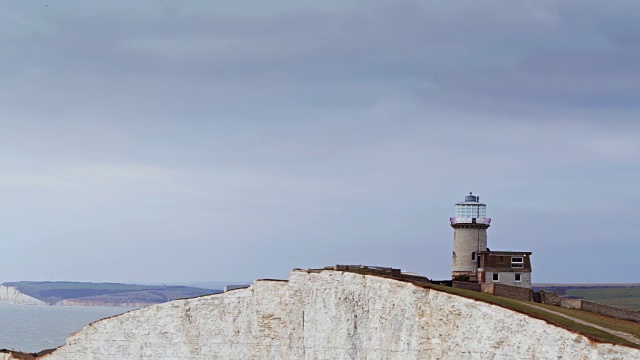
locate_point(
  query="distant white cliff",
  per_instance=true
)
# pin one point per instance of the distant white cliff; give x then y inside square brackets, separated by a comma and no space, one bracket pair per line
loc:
[329,315]
[10,294]
[95,302]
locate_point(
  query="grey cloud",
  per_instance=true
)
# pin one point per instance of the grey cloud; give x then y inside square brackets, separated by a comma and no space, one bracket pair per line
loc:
[226,136]
[435,51]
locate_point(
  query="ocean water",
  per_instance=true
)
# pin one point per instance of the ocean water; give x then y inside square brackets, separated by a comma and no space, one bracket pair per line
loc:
[31,328]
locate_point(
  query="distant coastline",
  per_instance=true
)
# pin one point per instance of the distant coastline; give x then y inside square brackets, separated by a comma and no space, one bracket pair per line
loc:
[94,294]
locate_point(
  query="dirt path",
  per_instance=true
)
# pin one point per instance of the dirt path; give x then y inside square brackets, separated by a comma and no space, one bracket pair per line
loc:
[620,334]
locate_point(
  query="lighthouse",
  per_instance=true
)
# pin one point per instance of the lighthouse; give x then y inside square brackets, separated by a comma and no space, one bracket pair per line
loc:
[473,261]
[470,226]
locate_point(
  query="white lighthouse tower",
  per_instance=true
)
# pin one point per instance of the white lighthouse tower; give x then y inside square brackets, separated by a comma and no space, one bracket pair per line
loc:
[469,237]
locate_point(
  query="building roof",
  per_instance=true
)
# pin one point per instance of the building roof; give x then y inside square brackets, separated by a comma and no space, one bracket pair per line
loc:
[492,252]
[471,200]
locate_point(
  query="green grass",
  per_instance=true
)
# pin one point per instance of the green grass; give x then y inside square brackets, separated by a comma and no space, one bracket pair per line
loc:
[540,314]
[522,307]
[625,326]
[621,297]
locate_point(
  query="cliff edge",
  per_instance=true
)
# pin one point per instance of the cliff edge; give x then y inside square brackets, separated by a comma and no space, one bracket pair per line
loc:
[11,295]
[329,315]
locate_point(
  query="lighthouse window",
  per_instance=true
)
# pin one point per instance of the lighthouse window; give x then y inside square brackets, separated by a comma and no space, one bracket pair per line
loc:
[473,255]
[496,277]
[518,277]
[516,262]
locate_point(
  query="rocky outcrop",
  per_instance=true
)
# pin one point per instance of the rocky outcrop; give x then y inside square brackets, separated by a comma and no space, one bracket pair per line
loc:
[10,294]
[329,315]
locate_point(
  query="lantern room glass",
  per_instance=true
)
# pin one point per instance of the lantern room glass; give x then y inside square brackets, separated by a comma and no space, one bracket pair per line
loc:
[471,211]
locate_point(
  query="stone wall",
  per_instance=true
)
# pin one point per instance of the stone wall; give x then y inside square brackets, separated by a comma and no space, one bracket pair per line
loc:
[467,285]
[511,292]
[610,311]
[487,288]
[549,298]
[571,303]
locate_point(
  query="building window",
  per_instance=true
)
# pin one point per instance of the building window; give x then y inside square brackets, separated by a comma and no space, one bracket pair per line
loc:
[473,255]
[517,262]
[496,277]
[518,277]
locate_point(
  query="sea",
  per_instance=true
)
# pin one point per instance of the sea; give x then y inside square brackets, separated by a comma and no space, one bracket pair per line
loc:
[31,328]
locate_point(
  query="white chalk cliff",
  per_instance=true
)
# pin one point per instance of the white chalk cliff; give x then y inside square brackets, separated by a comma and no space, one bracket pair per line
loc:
[329,315]
[10,294]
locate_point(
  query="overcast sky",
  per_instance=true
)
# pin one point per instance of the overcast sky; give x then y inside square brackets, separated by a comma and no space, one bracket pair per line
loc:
[164,141]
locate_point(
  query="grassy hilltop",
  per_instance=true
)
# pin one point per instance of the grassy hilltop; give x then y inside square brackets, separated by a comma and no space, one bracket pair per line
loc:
[52,292]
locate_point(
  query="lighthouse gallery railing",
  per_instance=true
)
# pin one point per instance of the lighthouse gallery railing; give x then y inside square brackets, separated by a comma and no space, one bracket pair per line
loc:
[486,221]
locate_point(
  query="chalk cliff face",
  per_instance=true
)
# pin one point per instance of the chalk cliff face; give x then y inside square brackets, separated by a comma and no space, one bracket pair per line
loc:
[329,315]
[9,294]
